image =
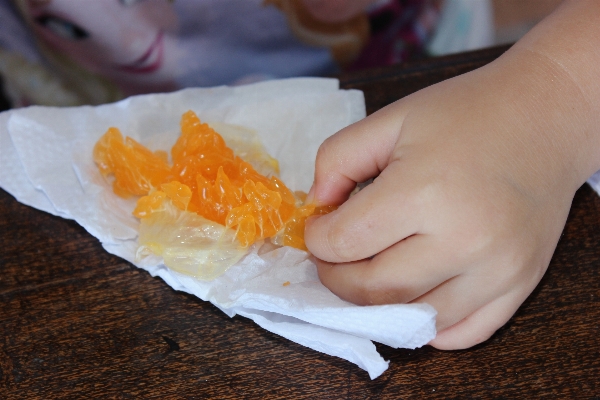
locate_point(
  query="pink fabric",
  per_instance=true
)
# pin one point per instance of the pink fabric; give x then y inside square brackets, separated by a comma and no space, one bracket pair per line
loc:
[399,31]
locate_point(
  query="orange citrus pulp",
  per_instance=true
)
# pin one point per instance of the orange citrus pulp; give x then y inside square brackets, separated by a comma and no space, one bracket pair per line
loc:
[208,179]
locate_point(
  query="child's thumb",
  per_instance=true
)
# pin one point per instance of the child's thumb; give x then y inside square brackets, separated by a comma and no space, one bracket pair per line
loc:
[355,154]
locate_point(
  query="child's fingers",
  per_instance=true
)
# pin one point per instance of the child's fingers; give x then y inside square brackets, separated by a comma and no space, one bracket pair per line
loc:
[471,307]
[481,324]
[462,296]
[399,274]
[355,154]
[376,218]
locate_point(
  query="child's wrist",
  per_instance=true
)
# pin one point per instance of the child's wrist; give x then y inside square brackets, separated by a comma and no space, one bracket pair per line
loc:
[542,121]
[564,51]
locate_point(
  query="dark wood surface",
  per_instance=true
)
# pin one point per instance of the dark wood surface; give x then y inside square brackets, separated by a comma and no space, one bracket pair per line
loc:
[77,322]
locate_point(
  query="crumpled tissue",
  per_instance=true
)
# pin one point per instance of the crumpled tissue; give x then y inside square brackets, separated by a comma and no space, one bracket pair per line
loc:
[46,162]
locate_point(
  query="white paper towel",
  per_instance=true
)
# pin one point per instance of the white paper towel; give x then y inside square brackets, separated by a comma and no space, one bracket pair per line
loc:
[46,162]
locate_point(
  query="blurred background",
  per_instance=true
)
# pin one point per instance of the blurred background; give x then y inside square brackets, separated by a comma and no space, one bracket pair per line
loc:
[513,18]
[72,52]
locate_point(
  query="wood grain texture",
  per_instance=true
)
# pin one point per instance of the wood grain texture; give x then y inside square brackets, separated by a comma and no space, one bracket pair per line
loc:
[77,322]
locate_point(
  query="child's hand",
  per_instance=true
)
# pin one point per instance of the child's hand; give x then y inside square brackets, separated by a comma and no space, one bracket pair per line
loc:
[475,178]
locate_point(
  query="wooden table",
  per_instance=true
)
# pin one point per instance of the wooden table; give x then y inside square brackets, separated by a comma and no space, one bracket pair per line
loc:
[78,322]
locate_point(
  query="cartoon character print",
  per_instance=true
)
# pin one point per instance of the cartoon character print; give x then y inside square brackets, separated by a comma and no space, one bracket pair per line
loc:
[104,50]
[128,42]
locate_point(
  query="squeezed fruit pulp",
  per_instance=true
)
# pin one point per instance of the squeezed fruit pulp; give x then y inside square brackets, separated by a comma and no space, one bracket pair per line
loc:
[208,179]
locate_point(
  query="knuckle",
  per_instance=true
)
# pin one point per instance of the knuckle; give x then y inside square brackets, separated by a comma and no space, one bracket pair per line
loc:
[325,150]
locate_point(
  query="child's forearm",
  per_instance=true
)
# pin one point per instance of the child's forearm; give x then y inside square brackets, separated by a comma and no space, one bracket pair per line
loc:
[558,66]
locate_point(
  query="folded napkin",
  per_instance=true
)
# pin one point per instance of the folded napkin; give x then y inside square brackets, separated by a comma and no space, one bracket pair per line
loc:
[46,162]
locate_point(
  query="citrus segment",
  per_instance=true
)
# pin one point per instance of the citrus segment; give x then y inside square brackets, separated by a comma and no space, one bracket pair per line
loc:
[136,168]
[179,194]
[188,243]
[197,138]
[146,205]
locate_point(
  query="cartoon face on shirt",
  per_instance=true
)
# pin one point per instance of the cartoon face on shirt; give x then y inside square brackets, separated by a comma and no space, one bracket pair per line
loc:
[126,41]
